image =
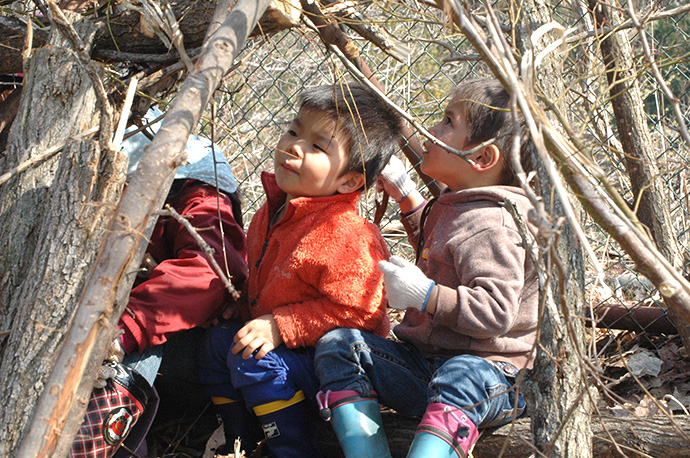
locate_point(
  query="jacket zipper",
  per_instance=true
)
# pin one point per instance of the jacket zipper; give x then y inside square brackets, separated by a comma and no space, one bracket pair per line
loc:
[263,252]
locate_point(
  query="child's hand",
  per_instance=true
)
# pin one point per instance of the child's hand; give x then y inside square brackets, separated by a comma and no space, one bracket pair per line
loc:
[406,285]
[260,334]
[395,181]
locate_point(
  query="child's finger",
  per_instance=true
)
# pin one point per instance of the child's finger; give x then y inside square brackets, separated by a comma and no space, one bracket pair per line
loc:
[251,348]
[241,341]
[386,267]
[237,348]
[263,351]
[398,261]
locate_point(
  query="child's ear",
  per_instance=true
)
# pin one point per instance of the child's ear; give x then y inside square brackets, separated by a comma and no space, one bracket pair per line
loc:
[351,182]
[487,158]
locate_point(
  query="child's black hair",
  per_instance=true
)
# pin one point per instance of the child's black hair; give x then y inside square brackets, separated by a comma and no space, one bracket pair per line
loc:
[486,107]
[372,128]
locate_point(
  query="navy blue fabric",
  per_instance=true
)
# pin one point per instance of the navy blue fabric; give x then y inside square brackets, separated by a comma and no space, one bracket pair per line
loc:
[277,376]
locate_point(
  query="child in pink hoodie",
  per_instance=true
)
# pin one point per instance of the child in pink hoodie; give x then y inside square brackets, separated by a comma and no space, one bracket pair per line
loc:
[470,300]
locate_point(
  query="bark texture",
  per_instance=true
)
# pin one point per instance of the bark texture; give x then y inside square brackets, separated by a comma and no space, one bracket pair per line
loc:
[56,215]
[62,403]
[125,34]
[561,406]
[637,437]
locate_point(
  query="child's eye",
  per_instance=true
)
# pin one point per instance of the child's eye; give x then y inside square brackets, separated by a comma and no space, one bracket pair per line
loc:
[292,133]
[448,120]
[318,148]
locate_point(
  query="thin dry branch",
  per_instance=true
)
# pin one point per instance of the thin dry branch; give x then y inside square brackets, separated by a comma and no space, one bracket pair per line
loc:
[673,100]
[50,152]
[594,192]
[208,251]
[406,116]
[337,40]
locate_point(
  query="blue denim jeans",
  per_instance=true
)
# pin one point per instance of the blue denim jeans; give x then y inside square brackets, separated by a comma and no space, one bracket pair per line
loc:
[146,363]
[404,380]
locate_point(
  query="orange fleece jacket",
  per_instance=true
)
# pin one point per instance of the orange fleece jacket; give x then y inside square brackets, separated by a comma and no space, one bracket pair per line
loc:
[316,269]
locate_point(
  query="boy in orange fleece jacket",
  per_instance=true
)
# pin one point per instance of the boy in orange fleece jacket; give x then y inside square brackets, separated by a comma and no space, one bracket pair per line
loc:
[312,268]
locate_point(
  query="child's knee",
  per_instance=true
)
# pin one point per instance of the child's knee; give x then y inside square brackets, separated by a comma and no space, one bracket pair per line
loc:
[337,341]
[214,347]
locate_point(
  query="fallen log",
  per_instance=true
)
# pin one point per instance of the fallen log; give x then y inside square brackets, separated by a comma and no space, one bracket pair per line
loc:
[124,32]
[635,436]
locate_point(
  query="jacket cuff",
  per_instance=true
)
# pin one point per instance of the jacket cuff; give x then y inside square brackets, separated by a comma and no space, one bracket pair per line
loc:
[443,296]
[286,326]
[133,339]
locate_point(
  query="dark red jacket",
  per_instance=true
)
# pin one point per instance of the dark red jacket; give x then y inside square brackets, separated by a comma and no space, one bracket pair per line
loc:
[183,291]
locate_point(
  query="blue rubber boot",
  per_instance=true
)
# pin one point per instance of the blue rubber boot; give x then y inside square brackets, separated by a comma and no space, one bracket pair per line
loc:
[444,432]
[287,428]
[356,421]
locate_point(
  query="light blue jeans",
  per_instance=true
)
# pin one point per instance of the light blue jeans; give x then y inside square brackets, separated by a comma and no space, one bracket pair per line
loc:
[146,363]
[404,380]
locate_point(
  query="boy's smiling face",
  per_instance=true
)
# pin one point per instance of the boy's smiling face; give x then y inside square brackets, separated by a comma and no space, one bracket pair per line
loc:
[310,157]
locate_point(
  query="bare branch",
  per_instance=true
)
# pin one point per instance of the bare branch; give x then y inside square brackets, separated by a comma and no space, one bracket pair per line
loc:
[208,251]
[673,100]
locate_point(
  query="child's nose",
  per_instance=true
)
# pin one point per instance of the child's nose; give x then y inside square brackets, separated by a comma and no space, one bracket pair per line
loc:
[296,149]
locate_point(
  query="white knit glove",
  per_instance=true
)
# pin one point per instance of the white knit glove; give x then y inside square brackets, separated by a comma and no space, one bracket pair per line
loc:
[395,181]
[406,285]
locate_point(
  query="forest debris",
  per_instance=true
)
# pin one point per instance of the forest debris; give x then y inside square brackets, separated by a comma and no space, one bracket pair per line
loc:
[649,407]
[642,362]
[216,440]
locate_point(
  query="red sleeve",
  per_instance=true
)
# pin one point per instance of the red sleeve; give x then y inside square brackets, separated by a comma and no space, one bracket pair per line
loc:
[183,290]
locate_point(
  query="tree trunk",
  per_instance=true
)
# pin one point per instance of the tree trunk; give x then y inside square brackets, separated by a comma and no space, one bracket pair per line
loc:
[651,202]
[54,215]
[63,401]
[561,406]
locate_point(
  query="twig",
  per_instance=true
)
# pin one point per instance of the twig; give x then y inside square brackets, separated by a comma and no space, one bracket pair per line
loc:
[126,107]
[452,51]
[667,397]
[50,152]
[368,30]
[332,35]
[67,31]
[629,25]
[161,19]
[355,71]
[28,44]
[208,251]
[675,425]
[57,415]
[121,56]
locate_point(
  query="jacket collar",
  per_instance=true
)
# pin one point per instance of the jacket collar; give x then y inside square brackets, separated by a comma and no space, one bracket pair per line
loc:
[275,197]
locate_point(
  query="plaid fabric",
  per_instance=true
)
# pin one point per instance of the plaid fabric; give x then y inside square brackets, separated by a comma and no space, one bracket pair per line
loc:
[110,416]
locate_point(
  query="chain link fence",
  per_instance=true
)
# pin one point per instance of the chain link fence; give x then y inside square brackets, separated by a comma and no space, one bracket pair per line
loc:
[257,101]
